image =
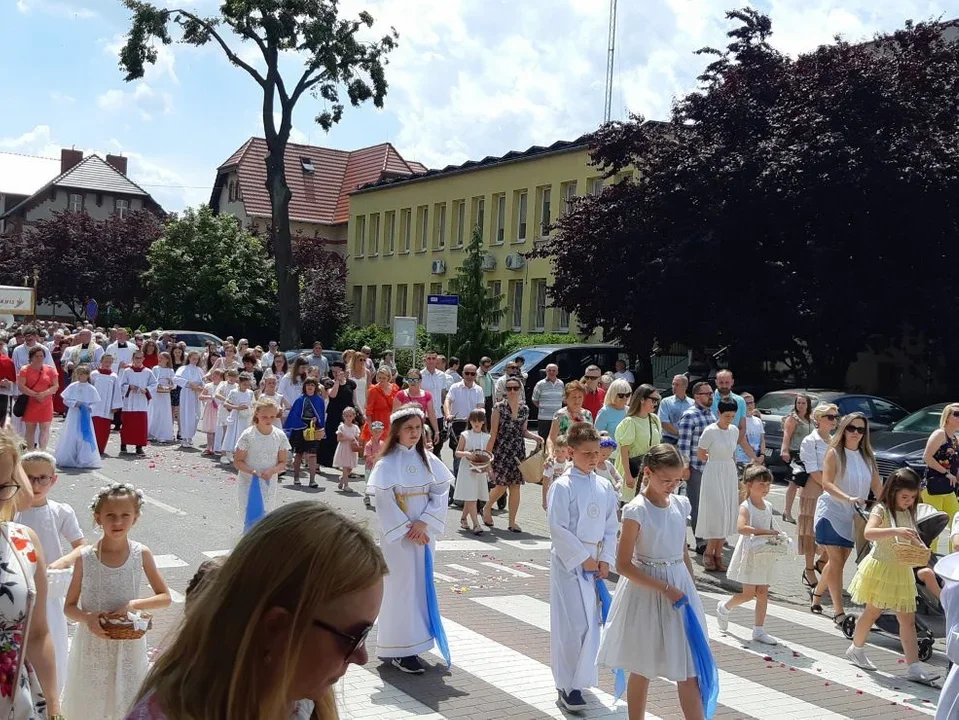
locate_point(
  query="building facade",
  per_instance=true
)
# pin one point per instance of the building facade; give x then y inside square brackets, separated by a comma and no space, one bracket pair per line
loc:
[408,236]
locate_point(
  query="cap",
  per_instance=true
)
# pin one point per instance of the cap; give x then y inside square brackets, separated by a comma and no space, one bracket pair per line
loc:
[376,425]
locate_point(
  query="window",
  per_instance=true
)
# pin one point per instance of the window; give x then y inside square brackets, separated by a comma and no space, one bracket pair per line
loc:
[460,209]
[359,240]
[76,202]
[122,208]
[401,300]
[390,231]
[568,190]
[357,305]
[478,216]
[562,319]
[371,305]
[545,196]
[439,239]
[419,297]
[595,186]
[494,289]
[386,311]
[537,308]
[521,203]
[516,304]
[307,165]
[231,190]
[374,234]
[436,288]
[406,228]
[423,223]
[500,218]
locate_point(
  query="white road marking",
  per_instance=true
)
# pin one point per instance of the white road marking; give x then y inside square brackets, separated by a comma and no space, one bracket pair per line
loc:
[444,578]
[463,569]
[461,546]
[534,566]
[367,696]
[506,569]
[529,544]
[212,554]
[169,561]
[177,597]
[150,500]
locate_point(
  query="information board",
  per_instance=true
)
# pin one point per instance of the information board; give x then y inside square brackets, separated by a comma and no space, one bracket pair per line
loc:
[404,332]
[441,311]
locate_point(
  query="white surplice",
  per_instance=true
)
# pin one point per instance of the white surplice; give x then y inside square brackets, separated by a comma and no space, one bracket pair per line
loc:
[108,387]
[583,524]
[186,376]
[406,491]
[123,355]
[72,450]
[948,708]
[132,400]
[160,422]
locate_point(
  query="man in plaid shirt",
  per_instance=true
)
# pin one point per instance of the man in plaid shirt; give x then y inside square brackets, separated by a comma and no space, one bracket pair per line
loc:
[691,426]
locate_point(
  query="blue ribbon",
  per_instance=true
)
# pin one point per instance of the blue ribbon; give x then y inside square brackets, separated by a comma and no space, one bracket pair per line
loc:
[606,601]
[706,671]
[254,505]
[86,427]
[433,609]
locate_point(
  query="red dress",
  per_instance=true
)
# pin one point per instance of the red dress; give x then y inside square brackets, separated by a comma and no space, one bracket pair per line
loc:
[151,361]
[39,411]
[379,406]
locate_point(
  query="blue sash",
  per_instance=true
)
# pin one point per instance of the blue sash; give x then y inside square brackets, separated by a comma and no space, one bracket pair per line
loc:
[606,601]
[706,672]
[254,504]
[86,427]
[433,609]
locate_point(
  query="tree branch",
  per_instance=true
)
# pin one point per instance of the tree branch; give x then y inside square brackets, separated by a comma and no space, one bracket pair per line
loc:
[305,84]
[233,57]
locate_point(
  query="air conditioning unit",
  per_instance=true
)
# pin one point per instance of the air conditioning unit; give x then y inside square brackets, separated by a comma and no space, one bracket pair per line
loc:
[438,267]
[515,261]
[489,262]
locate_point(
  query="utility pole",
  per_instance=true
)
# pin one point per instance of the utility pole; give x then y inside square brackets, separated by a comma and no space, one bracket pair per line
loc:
[611,51]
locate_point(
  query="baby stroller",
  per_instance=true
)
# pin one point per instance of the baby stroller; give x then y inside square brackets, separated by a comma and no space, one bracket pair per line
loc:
[930,522]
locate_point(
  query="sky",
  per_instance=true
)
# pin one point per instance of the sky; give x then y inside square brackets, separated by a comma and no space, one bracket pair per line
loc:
[470,78]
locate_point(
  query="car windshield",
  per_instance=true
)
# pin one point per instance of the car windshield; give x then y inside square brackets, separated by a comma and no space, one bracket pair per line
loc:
[531,357]
[779,403]
[921,421]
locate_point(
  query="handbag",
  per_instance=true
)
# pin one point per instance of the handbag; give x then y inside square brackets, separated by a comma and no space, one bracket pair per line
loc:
[20,404]
[532,467]
[309,433]
[799,474]
[636,461]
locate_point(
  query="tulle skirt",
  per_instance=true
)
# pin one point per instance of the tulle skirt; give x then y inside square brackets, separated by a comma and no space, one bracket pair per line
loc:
[886,585]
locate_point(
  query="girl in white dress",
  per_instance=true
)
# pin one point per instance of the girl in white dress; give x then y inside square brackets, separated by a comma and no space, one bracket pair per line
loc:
[261,450]
[208,422]
[223,390]
[77,445]
[347,437]
[268,389]
[104,675]
[645,633]
[472,481]
[189,378]
[161,408]
[719,494]
[239,403]
[752,565]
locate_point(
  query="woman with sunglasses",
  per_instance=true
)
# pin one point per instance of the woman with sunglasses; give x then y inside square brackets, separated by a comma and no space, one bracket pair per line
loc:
[414,393]
[812,452]
[640,430]
[849,473]
[796,426]
[614,407]
[291,606]
[942,465]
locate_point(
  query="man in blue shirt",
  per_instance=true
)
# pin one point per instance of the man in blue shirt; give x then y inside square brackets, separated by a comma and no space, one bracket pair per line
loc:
[671,409]
[691,426]
[724,390]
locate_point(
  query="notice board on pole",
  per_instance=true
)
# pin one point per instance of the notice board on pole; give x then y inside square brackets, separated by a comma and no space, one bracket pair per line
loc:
[441,311]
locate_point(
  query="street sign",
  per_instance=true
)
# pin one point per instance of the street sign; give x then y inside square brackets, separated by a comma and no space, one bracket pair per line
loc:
[404,332]
[441,314]
[91,309]
[17,300]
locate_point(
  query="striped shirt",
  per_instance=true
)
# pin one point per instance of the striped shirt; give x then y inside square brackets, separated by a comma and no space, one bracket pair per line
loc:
[691,426]
[548,397]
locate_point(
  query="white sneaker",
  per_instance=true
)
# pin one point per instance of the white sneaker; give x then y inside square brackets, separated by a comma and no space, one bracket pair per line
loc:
[917,674]
[857,656]
[722,616]
[761,636]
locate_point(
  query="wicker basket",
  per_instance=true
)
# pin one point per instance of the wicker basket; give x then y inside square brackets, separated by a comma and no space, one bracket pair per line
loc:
[912,554]
[480,458]
[124,630]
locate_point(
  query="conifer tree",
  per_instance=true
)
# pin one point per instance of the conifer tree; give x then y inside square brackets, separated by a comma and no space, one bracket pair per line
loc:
[479,310]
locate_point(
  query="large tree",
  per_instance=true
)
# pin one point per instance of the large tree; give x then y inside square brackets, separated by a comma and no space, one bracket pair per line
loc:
[799,209]
[322,274]
[479,310]
[336,58]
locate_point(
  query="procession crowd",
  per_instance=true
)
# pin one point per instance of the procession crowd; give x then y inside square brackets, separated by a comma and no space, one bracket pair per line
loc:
[624,472]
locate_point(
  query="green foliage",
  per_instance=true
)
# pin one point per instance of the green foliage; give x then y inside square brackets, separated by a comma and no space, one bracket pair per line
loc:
[479,311]
[380,339]
[208,273]
[516,341]
[322,273]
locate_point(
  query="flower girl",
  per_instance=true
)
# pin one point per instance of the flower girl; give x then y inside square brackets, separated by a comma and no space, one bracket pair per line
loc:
[77,446]
[161,408]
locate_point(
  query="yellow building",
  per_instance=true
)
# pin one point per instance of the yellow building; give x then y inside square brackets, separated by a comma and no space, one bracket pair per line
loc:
[407,235]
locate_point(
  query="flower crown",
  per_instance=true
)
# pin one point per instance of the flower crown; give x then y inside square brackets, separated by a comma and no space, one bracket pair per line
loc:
[607,442]
[405,412]
[116,489]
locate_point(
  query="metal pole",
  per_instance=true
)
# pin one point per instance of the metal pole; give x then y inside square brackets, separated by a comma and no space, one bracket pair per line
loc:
[611,51]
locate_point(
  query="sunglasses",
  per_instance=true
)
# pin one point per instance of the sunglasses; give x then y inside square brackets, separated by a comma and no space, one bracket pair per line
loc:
[593,377]
[831,417]
[955,413]
[412,380]
[512,388]
[622,396]
[861,429]
[468,374]
[353,641]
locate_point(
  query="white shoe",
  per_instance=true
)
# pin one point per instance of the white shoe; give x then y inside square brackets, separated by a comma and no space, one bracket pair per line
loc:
[761,636]
[917,674]
[857,656]
[722,616]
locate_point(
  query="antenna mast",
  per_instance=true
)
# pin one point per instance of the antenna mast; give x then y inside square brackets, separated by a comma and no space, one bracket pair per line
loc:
[611,51]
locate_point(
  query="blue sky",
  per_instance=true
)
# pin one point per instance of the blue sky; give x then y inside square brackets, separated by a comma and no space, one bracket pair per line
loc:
[471,77]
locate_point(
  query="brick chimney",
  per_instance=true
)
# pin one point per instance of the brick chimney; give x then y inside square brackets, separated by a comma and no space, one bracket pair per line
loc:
[69,158]
[118,162]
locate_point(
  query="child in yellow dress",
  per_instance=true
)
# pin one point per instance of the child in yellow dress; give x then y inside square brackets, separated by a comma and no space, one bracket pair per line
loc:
[884,583]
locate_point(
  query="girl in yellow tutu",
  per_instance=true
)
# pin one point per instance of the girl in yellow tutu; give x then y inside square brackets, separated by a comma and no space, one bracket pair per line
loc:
[884,583]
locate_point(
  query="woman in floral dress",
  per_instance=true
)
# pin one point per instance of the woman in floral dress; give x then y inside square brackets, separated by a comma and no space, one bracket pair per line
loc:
[507,431]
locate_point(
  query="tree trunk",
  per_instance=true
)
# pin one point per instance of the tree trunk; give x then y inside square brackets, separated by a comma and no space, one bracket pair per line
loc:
[287,286]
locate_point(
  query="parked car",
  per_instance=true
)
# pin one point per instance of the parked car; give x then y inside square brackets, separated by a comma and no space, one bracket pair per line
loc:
[774,406]
[194,340]
[903,444]
[571,359]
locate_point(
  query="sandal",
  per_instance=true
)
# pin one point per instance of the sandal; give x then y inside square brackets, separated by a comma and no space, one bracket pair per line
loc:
[464,524]
[488,523]
[815,608]
[805,577]
[823,562]
[839,619]
[514,528]
[709,562]
[479,531]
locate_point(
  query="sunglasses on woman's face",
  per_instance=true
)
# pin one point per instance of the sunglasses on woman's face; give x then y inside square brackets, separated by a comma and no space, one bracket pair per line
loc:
[412,380]
[861,429]
[622,396]
[351,642]
[832,418]
[955,413]
[512,388]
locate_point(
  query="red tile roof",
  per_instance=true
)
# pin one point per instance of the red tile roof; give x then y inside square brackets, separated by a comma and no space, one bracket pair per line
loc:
[322,196]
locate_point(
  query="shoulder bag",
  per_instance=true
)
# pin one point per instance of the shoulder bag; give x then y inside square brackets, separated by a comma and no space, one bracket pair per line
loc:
[636,461]
[20,404]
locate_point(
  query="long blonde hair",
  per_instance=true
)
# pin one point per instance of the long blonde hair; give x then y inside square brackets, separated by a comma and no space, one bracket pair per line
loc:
[11,446]
[946,412]
[298,557]
[838,443]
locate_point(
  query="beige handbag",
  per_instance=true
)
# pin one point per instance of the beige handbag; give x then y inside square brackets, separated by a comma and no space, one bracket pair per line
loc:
[532,467]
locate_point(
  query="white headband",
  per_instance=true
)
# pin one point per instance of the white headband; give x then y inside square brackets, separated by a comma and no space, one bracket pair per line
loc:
[405,413]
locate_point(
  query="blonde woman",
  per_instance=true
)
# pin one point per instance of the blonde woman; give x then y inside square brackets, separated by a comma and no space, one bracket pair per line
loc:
[812,451]
[942,464]
[849,473]
[614,407]
[291,607]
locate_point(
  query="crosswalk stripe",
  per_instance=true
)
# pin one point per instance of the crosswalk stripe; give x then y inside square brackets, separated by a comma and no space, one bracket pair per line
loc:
[461,546]
[444,578]
[534,566]
[529,544]
[164,562]
[367,696]
[212,554]
[506,569]
[177,597]
[735,692]
[525,679]
[463,569]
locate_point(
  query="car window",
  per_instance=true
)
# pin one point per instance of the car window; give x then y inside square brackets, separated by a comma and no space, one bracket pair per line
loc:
[191,339]
[886,412]
[777,403]
[921,421]
[854,403]
[531,358]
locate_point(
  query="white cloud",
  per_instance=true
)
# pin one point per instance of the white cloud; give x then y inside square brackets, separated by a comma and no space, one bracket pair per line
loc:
[61,98]
[37,141]
[57,8]
[142,98]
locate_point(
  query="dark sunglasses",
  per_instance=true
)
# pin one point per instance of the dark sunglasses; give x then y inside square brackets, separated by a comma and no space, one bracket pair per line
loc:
[412,380]
[467,374]
[955,413]
[353,641]
[622,396]
[856,429]
[831,417]
[512,388]
[593,377]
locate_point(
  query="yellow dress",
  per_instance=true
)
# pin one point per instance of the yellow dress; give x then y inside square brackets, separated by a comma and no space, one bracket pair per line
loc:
[881,580]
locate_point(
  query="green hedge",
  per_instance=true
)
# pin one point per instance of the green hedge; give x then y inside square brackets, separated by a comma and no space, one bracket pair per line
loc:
[516,341]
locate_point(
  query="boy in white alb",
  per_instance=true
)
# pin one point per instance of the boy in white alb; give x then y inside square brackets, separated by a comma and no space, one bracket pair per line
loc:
[106,381]
[56,525]
[583,524]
